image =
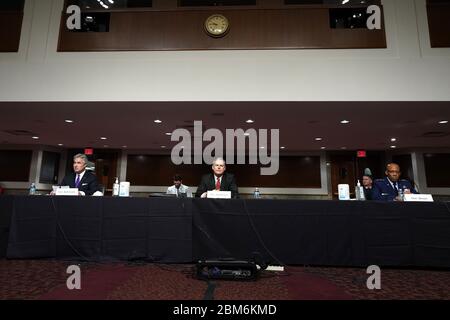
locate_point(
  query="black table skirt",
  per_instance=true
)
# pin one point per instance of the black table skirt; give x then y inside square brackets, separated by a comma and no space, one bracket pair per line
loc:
[339,233]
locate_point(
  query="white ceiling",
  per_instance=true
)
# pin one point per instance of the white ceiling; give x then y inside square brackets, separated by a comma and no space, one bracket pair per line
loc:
[131,123]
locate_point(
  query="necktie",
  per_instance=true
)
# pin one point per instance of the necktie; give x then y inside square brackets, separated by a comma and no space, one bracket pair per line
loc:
[218,184]
[178,192]
[395,186]
[77,181]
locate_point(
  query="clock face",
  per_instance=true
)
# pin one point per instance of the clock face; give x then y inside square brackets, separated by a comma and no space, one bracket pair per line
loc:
[216,25]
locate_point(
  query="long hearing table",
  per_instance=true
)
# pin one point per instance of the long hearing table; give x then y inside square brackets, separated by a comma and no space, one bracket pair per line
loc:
[170,230]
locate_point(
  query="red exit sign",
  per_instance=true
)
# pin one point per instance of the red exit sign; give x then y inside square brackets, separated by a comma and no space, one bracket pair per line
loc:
[361,153]
[88,151]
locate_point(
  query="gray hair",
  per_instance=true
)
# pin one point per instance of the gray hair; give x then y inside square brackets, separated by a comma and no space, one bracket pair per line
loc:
[90,166]
[219,159]
[81,156]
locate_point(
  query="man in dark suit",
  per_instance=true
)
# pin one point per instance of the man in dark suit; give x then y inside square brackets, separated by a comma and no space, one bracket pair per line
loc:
[84,180]
[387,189]
[218,180]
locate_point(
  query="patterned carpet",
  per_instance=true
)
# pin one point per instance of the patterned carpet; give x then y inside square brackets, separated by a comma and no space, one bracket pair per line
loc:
[46,279]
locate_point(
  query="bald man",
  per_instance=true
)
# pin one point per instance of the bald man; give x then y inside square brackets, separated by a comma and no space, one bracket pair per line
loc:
[387,189]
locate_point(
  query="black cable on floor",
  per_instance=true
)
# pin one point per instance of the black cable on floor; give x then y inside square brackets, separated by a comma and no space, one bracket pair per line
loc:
[209,293]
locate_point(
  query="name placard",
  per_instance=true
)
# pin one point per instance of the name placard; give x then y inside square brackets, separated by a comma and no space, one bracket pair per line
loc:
[66,192]
[124,189]
[344,192]
[215,194]
[411,197]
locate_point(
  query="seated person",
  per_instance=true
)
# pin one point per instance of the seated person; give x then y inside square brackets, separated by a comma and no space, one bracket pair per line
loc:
[387,189]
[218,180]
[367,182]
[179,188]
[83,179]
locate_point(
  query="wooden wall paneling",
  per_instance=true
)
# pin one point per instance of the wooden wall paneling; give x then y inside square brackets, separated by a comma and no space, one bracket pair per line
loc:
[158,170]
[437,169]
[294,172]
[10,30]
[106,167]
[249,29]
[375,161]
[439,24]
[15,165]
[49,167]
[342,172]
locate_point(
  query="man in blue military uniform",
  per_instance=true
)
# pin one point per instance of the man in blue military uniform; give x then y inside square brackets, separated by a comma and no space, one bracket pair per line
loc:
[387,189]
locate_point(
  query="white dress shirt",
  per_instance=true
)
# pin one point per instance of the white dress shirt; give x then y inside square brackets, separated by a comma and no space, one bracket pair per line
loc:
[183,189]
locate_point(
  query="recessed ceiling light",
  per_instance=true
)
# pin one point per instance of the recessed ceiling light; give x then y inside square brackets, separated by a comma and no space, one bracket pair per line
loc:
[345,121]
[443,122]
[35,137]
[60,144]
[393,147]
[163,147]
[103,138]
[68,121]
[124,146]
[106,146]
[249,121]
[393,139]
[282,147]
[261,147]
[323,148]
[157,121]
[168,133]
[246,134]
[318,139]
[343,148]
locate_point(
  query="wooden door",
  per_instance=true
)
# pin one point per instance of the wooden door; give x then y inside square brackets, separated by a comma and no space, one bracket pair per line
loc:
[342,172]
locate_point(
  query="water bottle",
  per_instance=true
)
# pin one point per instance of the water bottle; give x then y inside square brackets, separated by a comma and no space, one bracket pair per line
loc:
[359,192]
[116,188]
[256,194]
[32,189]
[401,194]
